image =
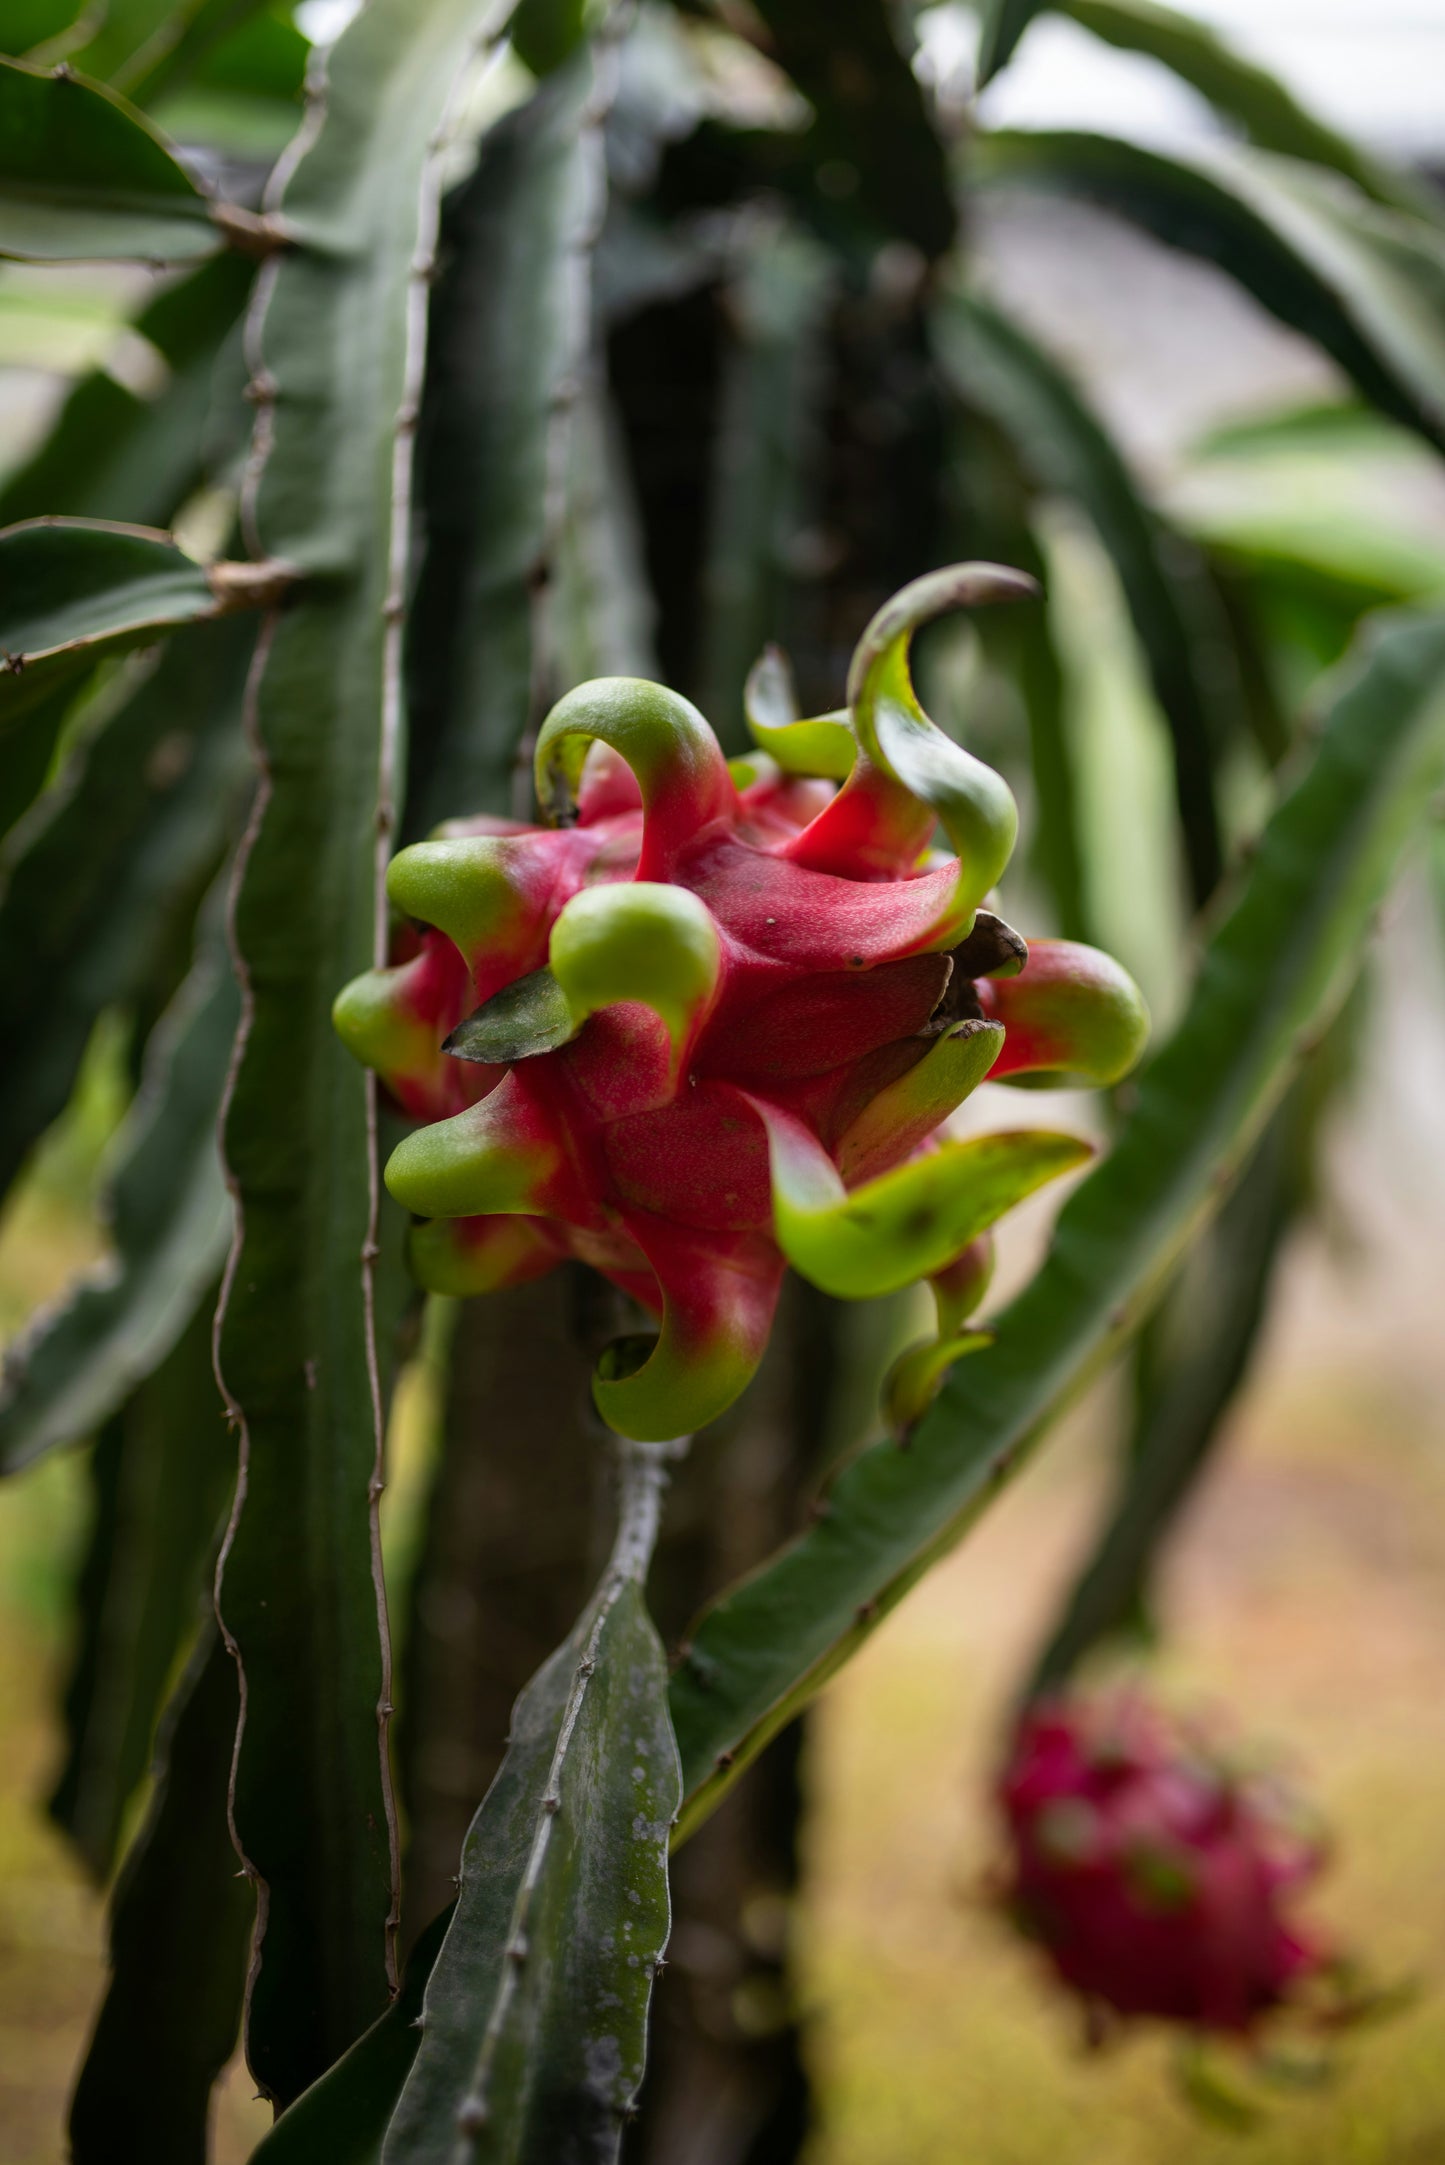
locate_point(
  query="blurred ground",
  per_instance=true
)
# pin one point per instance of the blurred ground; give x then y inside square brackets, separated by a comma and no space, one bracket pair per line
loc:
[1308,1595]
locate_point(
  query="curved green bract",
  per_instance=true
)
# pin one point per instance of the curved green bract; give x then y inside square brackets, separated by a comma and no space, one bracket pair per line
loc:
[85,178]
[375,1027]
[718,1297]
[1073,1015]
[1278,965]
[676,758]
[644,941]
[655,1388]
[973,804]
[905,1224]
[961,1285]
[468,886]
[919,1373]
[906,1113]
[481,1160]
[824,746]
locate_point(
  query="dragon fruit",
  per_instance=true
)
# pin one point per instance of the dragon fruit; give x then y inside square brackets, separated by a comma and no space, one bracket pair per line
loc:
[710,1019]
[1158,1878]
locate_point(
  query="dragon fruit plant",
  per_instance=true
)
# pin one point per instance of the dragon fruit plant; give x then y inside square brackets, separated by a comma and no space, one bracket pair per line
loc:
[383,470]
[711,1020]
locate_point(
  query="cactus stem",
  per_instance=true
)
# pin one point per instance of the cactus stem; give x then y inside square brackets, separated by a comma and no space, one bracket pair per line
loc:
[643,1478]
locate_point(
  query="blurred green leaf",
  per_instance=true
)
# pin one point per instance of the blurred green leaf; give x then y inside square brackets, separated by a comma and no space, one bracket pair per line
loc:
[1195,1355]
[83,177]
[180,1919]
[1365,524]
[877,159]
[509,332]
[766,459]
[533,2027]
[343,2118]
[45,326]
[1002,24]
[1276,969]
[994,509]
[241,95]
[114,455]
[1366,284]
[1134,883]
[545,33]
[104,888]
[161,1475]
[1243,92]
[101,41]
[34,22]
[603,611]
[29,753]
[72,591]
[171,1221]
[178,41]
[1311,518]
[994,365]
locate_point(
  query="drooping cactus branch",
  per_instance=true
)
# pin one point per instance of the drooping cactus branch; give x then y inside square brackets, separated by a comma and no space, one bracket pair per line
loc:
[335,342]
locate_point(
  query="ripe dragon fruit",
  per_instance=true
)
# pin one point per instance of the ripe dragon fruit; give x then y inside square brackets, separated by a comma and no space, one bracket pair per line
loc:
[710,1019]
[1157,1877]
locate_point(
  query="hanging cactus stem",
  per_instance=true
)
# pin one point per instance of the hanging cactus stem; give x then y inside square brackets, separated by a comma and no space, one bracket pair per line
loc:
[695,1029]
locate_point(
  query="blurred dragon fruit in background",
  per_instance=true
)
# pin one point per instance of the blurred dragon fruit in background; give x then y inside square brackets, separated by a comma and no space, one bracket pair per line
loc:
[709,1021]
[1159,1878]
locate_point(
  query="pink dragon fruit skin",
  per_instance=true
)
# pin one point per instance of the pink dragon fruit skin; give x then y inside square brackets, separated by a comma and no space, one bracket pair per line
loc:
[1158,1880]
[709,1021]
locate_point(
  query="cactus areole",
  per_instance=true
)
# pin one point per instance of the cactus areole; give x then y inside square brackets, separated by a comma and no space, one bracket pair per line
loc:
[1157,1875]
[711,1018]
